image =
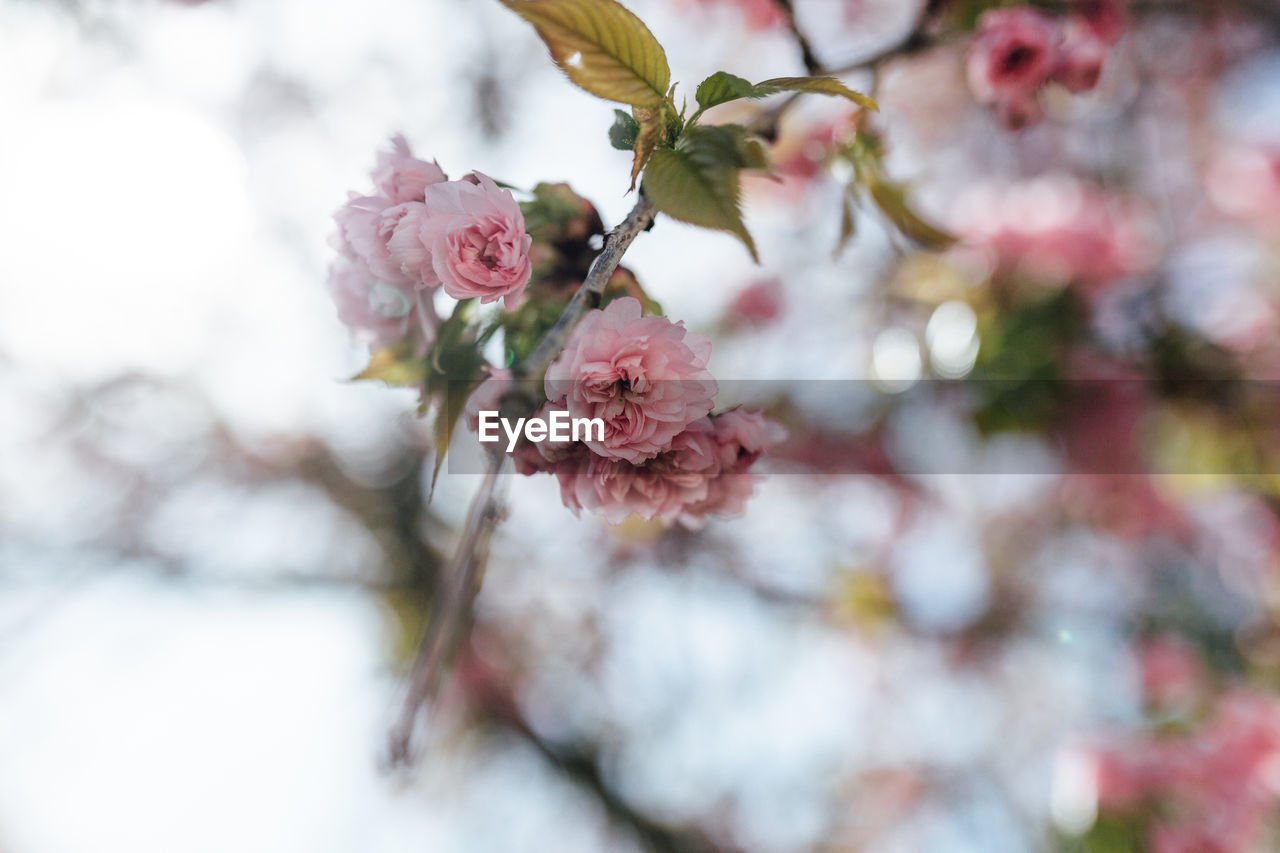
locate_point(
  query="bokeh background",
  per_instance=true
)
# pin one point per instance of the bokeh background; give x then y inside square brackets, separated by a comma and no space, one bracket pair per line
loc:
[215,552]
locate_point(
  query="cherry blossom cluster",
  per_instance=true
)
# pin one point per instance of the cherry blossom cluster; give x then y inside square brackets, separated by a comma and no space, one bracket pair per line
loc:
[1017,51]
[1212,787]
[419,231]
[1056,228]
[663,454]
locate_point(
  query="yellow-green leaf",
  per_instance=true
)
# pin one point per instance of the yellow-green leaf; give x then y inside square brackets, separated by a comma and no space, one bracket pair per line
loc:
[602,47]
[395,368]
[891,198]
[815,85]
[848,224]
[697,182]
[650,124]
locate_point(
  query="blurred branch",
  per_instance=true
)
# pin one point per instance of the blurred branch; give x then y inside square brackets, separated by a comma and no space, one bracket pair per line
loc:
[451,608]
[450,611]
[915,41]
[811,63]
[491,696]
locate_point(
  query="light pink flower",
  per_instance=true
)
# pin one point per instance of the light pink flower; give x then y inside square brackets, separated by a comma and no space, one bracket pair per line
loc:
[1012,55]
[381,313]
[645,377]
[701,473]
[663,487]
[741,437]
[400,176]
[1080,57]
[365,225]
[473,234]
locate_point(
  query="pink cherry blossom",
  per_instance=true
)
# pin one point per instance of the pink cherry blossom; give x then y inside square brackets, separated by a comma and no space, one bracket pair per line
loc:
[365,226]
[381,313]
[645,377]
[1080,57]
[741,437]
[663,487]
[1010,58]
[703,472]
[400,176]
[473,233]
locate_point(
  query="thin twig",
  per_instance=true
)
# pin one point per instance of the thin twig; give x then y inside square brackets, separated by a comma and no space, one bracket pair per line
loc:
[451,608]
[807,56]
[766,123]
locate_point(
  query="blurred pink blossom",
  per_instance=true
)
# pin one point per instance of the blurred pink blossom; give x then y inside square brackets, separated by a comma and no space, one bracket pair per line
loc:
[756,304]
[757,14]
[1081,55]
[1244,181]
[1016,51]
[1011,57]
[1057,229]
[1216,783]
[380,313]
[1171,672]
[1106,19]
[645,377]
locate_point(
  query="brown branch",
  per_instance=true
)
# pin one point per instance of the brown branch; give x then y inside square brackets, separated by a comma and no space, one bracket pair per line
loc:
[616,243]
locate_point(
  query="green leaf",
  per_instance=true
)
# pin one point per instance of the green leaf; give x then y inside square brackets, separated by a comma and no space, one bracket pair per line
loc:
[697,181]
[624,131]
[723,87]
[602,47]
[865,154]
[456,366]
[817,86]
[452,404]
